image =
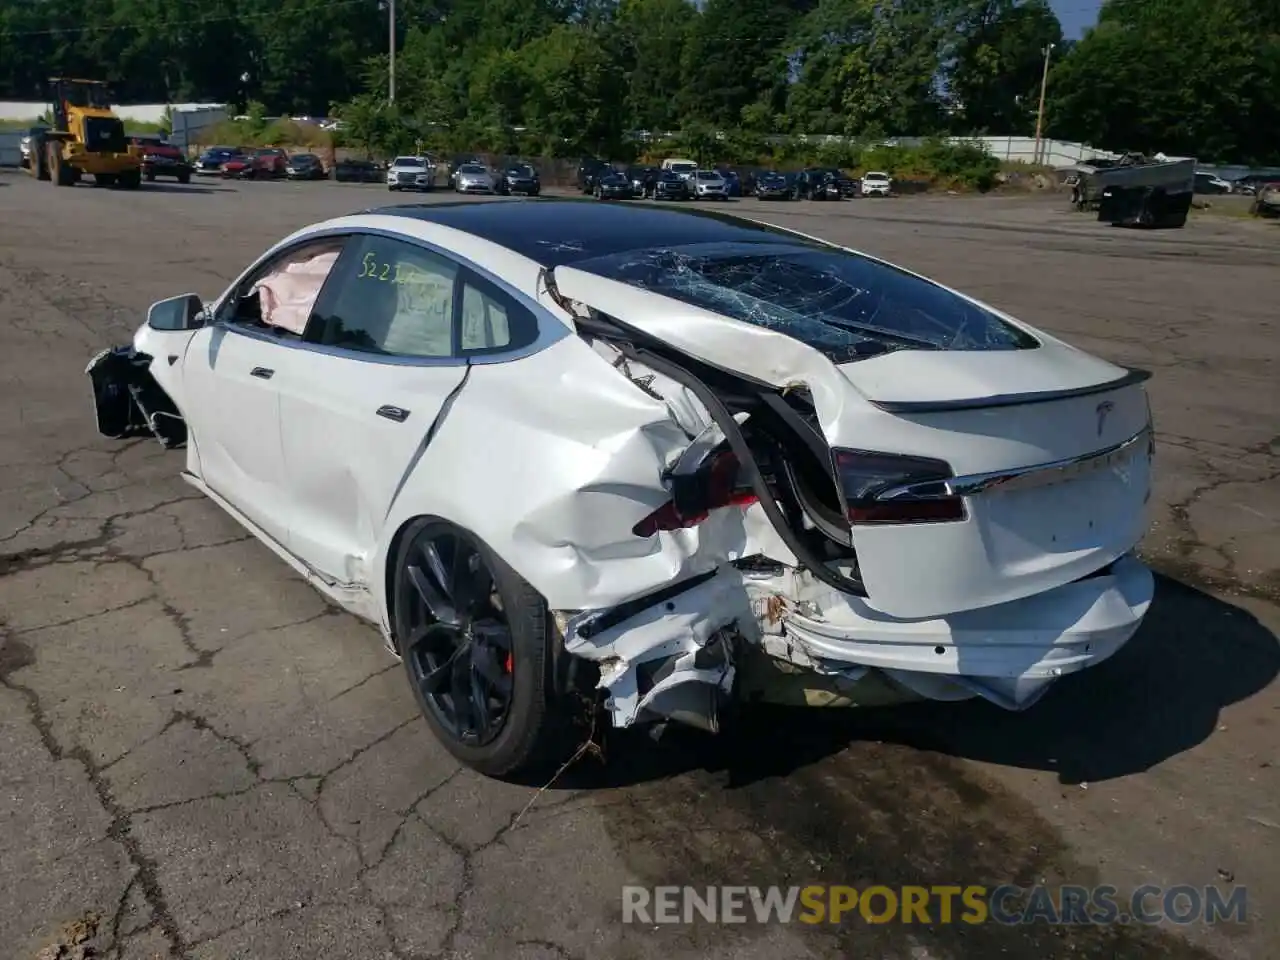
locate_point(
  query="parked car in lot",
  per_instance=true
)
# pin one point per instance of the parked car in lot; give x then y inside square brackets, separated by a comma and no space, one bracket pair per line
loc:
[669,185]
[876,183]
[614,186]
[461,160]
[1210,183]
[161,158]
[772,185]
[826,183]
[680,165]
[589,170]
[358,171]
[32,136]
[474,178]
[727,443]
[411,173]
[1266,200]
[520,178]
[265,163]
[209,163]
[1251,182]
[732,183]
[305,166]
[709,185]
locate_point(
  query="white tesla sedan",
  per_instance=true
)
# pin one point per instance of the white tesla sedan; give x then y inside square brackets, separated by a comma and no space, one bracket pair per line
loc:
[552,447]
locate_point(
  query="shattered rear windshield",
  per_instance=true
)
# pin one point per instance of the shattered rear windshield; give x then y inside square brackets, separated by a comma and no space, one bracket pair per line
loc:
[845,305]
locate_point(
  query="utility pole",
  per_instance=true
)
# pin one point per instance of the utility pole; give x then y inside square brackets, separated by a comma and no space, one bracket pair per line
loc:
[1044,82]
[391,78]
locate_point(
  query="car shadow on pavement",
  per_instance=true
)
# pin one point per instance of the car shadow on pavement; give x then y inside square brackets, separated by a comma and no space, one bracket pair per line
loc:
[1159,696]
[183,188]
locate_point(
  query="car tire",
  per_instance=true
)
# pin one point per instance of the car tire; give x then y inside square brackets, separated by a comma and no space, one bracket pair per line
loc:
[510,650]
[184,178]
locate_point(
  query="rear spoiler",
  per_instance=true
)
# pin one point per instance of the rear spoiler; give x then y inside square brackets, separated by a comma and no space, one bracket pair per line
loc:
[1131,376]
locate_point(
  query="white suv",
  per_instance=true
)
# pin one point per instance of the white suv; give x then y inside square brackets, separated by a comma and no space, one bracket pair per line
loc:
[411,173]
[875,183]
[709,185]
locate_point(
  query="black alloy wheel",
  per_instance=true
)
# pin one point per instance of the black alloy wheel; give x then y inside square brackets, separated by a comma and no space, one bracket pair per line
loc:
[476,643]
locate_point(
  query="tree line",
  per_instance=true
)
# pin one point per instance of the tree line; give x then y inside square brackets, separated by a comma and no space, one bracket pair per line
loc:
[1189,77]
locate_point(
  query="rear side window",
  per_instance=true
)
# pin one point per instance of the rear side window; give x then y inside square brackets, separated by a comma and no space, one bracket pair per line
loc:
[391,298]
[491,321]
[845,305]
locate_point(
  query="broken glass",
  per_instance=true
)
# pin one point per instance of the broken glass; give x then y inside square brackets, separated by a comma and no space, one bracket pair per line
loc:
[846,305]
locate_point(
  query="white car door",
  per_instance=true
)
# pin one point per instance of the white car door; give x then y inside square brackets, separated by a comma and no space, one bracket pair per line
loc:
[231,372]
[388,346]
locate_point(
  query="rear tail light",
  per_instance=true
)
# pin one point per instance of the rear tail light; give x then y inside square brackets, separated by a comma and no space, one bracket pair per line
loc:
[694,495]
[889,488]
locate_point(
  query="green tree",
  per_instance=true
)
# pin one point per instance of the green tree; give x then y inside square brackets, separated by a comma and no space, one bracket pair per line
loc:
[1186,77]
[652,36]
[735,56]
[994,77]
[576,85]
[872,68]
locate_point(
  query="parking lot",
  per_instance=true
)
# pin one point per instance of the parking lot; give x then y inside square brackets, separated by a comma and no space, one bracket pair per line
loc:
[200,758]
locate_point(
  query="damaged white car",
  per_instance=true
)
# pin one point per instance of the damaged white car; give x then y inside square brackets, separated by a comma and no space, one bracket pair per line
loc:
[553,447]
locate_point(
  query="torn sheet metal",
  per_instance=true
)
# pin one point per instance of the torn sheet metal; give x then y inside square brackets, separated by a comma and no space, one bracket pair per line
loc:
[1011,544]
[1008,654]
[684,640]
[127,400]
[577,463]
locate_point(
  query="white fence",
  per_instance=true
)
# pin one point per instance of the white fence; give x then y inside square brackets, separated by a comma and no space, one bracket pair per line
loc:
[138,113]
[1053,153]
[188,122]
[10,154]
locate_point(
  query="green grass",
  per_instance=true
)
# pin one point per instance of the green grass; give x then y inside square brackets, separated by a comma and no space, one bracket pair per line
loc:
[1224,205]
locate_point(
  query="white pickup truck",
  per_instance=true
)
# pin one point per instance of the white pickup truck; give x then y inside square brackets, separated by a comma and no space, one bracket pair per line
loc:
[679,165]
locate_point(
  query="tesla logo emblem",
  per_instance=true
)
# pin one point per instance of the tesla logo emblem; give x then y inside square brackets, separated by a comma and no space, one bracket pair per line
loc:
[1105,407]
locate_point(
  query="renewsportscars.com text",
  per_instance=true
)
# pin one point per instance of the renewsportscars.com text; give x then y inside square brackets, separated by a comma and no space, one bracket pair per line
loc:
[972,904]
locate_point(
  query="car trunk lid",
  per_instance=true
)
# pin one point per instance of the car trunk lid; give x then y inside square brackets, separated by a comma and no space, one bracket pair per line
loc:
[1048,448]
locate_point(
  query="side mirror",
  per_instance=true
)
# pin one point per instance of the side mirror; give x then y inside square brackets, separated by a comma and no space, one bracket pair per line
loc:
[177,313]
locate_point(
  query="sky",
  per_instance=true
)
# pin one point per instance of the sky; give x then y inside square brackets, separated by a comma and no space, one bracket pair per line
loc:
[1075,15]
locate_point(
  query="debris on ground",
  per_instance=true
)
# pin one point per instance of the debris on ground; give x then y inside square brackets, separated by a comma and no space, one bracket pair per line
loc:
[73,941]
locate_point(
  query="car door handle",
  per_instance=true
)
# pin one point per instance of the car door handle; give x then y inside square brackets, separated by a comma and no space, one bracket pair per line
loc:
[262,373]
[398,414]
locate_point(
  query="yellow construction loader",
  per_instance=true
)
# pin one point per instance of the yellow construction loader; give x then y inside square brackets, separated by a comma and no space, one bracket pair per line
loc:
[86,139]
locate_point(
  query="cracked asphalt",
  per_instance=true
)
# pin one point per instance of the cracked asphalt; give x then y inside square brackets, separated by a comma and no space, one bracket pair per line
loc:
[200,758]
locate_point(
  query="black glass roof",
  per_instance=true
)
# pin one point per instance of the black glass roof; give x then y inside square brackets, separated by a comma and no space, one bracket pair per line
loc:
[555,232]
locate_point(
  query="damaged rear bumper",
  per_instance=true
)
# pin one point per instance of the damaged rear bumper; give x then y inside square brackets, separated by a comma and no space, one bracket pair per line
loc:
[680,654]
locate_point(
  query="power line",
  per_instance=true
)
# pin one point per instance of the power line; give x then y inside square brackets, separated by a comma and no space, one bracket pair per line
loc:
[183,22]
[335,4]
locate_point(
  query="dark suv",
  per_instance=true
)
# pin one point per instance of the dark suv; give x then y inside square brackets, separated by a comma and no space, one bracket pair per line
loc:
[519,178]
[826,183]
